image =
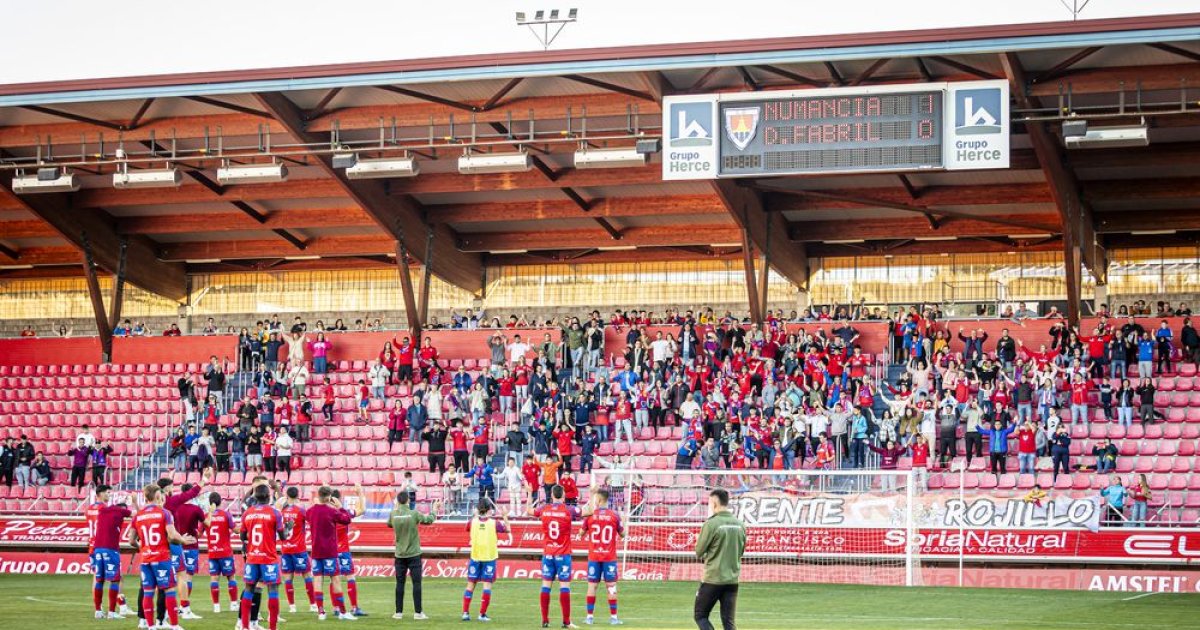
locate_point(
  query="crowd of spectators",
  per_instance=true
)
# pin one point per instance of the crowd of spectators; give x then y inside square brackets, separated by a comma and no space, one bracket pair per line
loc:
[793,392]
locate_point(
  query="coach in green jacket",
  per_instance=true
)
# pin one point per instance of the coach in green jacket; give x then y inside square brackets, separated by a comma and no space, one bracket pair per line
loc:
[721,544]
[404,521]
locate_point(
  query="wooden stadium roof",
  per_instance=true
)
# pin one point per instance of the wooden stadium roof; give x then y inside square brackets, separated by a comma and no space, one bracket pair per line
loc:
[1080,202]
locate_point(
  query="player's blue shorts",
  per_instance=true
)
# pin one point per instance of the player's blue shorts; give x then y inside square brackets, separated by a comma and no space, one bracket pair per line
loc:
[263,573]
[191,561]
[295,562]
[606,571]
[106,564]
[176,557]
[324,566]
[158,575]
[345,564]
[221,566]
[481,570]
[556,568]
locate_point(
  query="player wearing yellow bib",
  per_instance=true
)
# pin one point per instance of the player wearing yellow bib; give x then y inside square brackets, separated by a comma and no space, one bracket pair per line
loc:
[484,550]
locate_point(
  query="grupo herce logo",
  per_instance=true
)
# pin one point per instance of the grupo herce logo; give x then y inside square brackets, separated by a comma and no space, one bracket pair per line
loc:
[977,112]
[691,124]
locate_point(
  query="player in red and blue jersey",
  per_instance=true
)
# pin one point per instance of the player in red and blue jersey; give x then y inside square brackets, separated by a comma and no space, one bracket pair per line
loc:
[345,561]
[189,520]
[154,532]
[603,530]
[218,532]
[556,519]
[295,554]
[262,527]
[323,518]
[104,540]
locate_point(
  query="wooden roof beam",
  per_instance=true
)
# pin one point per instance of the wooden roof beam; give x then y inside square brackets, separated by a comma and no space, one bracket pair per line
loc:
[767,231]
[877,229]
[399,215]
[143,267]
[654,236]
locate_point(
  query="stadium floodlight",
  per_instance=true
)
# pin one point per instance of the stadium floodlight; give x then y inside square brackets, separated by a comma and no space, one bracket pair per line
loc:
[544,36]
[31,184]
[148,178]
[202,261]
[936,238]
[384,168]
[648,145]
[1109,137]
[301,257]
[518,162]
[617,248]
[252,174]
[609,158]
[344,160]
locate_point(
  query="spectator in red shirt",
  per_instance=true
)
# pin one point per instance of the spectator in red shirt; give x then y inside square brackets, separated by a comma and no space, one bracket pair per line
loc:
[397,423]
[427,357]
[403,373]
[172,331]
[1027,449]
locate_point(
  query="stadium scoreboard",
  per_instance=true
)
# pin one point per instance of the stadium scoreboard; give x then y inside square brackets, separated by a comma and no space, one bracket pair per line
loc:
[929,126]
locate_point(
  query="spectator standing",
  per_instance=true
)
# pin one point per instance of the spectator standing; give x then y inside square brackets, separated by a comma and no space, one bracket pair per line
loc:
[297,378]
[1026,449]
[85,434]
[1162,338]
[283,453]
[320,353]
[405,522]
[1060,451]
[1139,495]
[397,423]
[436,437]
[1114,502]
[80,455]
[100,455]
[379,376]
[24,462]
[215,375]
[8,462]
[1145,391]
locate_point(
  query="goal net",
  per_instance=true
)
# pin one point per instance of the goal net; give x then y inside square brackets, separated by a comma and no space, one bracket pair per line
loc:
[851,527]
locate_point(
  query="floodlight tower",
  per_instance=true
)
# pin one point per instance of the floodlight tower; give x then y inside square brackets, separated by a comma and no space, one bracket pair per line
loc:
[553,22]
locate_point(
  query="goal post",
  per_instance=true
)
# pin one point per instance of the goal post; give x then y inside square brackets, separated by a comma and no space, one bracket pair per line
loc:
[839,526]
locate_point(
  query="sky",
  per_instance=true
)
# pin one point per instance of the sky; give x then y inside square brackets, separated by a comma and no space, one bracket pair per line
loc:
[79,39]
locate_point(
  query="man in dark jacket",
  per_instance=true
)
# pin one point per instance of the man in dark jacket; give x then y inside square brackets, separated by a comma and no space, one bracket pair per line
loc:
[418,417]
[436,436]
[215,375]
[516,441]
[8,462]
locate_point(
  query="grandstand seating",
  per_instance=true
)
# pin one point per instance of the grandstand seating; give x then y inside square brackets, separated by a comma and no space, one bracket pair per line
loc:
[121,402]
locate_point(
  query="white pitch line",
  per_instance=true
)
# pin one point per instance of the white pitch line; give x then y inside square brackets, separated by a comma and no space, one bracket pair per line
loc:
[52,601]
[1129,599]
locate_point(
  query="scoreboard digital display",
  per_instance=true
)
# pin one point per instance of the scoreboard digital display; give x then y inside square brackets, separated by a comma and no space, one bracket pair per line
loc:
[950,126]
[831,133]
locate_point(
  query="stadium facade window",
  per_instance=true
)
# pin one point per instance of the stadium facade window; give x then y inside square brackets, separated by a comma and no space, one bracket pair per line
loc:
[964,279]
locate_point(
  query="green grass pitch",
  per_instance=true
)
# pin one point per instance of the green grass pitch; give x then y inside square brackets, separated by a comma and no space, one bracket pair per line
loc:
[32,602]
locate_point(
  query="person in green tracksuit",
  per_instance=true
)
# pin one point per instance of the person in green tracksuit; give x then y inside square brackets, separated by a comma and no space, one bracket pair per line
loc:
[404,521]
[720,545]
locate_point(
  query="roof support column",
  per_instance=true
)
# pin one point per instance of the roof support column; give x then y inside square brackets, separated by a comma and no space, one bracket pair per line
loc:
[426,280]
[118,297]
[1072,266]
[103,328]
[751,280]
[406,290]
